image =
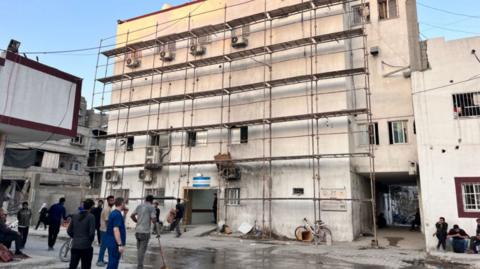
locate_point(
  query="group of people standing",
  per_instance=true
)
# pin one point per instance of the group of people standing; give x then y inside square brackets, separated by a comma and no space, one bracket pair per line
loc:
[460,241]
[108,222]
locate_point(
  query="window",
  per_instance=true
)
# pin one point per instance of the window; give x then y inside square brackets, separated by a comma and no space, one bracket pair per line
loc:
[468,196]
[121,193]
[130,142]
[160,140]
[466,105]
[157,192]
[75,166]
[77,140]
[298,191]
[239,135]
[364,136]
[387,9]
[232,196]
[359,12]
[398,132]
[196,138]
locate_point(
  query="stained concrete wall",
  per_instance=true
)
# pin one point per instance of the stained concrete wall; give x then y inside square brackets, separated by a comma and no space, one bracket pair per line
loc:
[294,138]
[453,70]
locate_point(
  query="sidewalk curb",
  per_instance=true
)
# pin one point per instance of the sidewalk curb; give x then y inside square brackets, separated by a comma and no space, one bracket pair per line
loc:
[32,262]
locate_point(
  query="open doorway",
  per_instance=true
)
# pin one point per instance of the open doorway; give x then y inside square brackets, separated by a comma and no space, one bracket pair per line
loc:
[199,206]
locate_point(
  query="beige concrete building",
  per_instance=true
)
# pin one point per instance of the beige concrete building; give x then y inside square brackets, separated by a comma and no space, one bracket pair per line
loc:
[266,103]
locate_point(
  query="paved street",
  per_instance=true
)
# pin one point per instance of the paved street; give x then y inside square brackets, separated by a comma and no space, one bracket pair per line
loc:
[220,252]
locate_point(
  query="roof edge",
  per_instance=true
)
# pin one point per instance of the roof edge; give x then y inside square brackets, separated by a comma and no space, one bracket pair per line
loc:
[163,10]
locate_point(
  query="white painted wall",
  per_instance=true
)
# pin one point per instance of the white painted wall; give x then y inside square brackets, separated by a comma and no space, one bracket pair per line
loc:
[451,63]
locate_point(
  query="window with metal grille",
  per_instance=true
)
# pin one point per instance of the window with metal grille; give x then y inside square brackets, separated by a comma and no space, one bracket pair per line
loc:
[298,191]
[130,142]
[197,138]
[156,192]
[124,193]
[160,140]
[398,132]
[471,197]
[364,135]
[466,105]
[359,12]
[387,9]
[232,196]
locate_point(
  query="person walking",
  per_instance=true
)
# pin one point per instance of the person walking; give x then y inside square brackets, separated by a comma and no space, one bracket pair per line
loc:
[115,237]
[143,215]
[23,216]
[214,208]
[180,210]
[56,214]
[103,229]
[7,235]
[441,233]
[82,231]
[159,224]
[43,218]
[97,213]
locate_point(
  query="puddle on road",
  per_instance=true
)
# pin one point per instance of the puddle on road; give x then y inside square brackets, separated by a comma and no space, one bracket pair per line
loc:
[179,258]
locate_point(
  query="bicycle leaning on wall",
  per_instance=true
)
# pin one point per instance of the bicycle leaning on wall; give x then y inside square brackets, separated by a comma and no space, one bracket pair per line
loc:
[318,233]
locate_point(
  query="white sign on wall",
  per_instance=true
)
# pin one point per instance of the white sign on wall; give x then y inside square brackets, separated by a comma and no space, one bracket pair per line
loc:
[333,205]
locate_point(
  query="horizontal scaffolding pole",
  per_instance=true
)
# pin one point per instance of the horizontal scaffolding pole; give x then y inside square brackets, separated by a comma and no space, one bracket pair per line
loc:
[328,114]
[248,160]
[215,28]
[298,199]
[235,56]
[236,89]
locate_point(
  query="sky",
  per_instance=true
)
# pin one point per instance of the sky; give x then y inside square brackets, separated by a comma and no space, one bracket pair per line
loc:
[52,25]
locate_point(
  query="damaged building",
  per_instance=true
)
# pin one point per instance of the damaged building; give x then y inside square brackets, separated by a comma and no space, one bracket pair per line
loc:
[42,172]
[286,109]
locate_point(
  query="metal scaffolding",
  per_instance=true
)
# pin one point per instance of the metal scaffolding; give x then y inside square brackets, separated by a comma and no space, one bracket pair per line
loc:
[124,80]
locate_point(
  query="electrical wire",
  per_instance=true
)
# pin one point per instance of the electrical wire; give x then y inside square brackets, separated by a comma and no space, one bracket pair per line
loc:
[449,12]
[448,85]
[449,29]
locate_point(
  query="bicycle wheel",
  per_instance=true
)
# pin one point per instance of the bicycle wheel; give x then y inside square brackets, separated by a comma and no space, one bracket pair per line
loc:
[325,236]
[64,253]
[298,232]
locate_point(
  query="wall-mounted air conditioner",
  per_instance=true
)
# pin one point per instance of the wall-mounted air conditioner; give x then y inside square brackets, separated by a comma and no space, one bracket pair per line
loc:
[167,56]
[112,176]
[240,37]
[153,157]
[146,176]
[133,59]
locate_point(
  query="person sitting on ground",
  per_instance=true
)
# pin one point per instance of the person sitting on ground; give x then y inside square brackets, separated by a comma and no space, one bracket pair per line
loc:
[458,238]
[441,233]
[475,244]
[381,221]
[7,235]
[416,221]
[473,238]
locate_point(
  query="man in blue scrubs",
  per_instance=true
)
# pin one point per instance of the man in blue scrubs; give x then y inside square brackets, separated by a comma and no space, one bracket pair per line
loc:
[115,238]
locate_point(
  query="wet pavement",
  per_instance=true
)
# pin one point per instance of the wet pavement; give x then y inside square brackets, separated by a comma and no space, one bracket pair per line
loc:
[180,258]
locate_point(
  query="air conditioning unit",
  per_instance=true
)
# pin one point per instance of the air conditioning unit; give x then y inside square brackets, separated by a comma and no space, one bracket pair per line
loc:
[146,176]
[153,157]
[112,176]
[133,59]
[239,41]
[167,56]
[197,50]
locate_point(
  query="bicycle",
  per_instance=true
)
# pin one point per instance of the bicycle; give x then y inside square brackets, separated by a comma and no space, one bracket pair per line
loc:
[319,233]
[65,250]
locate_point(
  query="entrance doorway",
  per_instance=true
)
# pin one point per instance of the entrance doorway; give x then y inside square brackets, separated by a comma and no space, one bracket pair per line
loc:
[199,206]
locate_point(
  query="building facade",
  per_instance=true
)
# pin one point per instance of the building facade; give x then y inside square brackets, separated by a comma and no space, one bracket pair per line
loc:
[447,108]
[42,172]
[268,104]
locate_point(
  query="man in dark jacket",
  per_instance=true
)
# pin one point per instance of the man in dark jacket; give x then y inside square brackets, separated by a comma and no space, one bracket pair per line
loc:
[459,239]
[97,212]
[56,214]
[7,235]
[441,233]
[82,230]
[180,207]
[23,216]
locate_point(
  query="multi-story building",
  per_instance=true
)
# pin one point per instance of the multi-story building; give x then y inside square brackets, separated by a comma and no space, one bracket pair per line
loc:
[42,172]
[268,104]
[447,108]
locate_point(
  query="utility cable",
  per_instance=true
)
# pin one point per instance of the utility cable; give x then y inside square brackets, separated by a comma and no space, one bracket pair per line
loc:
[449,12]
